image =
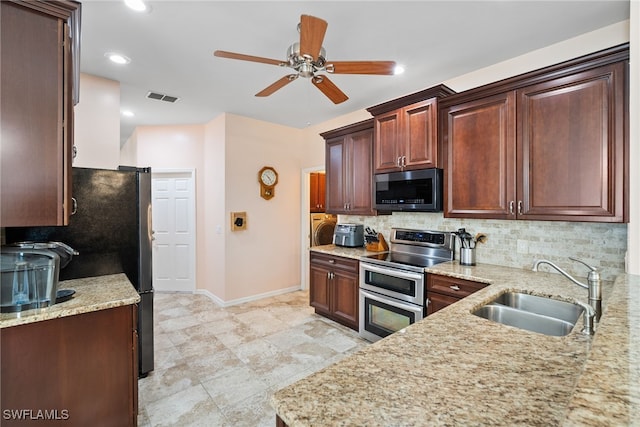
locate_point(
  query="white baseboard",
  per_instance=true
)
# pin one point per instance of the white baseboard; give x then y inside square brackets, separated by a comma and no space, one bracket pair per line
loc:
[223,303]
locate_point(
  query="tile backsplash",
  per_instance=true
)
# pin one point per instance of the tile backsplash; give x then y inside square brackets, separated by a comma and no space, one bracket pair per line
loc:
[519,243]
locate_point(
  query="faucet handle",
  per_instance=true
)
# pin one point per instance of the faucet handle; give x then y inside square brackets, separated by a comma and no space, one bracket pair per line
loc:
[582,262]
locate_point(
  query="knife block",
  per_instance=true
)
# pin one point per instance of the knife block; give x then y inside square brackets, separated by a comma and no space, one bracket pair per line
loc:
[379,246]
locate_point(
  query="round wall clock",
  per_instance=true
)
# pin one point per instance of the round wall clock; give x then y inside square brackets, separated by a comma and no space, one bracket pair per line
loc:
[268,178]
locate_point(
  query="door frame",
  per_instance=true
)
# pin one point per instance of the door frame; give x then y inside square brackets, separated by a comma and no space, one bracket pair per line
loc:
[160,173]
[305,221]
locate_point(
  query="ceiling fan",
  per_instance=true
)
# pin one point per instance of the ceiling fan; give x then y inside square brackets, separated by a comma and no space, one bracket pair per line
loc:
[308,58]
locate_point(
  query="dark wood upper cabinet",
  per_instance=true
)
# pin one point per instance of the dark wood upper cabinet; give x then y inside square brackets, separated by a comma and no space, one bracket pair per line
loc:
[547,145]
[406,131]
[37,111]
[571,147]
[480,167]
[349,169]
[317,192]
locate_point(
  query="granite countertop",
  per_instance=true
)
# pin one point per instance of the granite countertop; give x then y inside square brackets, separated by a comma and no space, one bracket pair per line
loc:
[354,253]
[454,368]
[92,294]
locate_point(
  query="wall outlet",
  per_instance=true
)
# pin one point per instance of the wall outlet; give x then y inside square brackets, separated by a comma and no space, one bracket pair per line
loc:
[238,221]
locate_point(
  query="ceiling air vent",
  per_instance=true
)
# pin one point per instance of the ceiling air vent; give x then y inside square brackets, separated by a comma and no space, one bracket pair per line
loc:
[162,97]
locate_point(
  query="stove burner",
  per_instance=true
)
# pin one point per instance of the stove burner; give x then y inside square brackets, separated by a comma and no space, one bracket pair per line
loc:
[405,259]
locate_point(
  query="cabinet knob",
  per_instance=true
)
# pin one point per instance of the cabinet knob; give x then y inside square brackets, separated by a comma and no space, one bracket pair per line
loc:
[332,261]
[454,287]
[74,206]
[519,207]
[511,207]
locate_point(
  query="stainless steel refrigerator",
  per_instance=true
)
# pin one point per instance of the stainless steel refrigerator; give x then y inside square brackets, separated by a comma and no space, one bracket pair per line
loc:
[111,230]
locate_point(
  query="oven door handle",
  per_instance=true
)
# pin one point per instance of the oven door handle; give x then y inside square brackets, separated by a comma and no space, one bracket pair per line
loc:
[392,302]
[393,272]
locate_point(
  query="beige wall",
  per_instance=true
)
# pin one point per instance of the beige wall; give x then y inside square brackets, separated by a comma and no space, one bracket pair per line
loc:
[227,154]
[212,256]
[97,123]
[263,258]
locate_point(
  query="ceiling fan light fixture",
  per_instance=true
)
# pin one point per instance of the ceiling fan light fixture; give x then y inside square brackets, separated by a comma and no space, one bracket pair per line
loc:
[399,69]
[295,59]
[308,57]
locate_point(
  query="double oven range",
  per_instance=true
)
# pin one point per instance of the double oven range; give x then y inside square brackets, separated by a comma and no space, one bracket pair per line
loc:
[392,284]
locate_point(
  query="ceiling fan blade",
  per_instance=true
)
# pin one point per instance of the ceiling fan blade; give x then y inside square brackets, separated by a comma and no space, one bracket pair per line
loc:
[312,32]
[240,56]
[329,89]
[277,85]
[361,67]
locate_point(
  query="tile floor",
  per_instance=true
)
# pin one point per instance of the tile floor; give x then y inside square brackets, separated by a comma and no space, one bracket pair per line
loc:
[219,366]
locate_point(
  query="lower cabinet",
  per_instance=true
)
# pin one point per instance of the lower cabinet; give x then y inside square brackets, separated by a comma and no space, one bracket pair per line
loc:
[444,290]
[80,370]
[333,288]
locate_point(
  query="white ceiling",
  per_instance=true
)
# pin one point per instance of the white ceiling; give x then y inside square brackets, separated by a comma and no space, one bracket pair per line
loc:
[171,50]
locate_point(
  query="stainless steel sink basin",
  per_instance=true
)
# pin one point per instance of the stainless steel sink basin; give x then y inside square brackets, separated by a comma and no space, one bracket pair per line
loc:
[533,313]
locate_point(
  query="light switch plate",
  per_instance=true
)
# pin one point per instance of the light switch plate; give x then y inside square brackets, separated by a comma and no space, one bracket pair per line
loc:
[238,221]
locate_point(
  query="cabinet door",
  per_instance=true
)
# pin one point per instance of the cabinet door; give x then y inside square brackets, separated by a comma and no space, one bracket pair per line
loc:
[316,193]
[420,135]
[321,191]
[359,173]
[85,365]
[335,170]
[571,147]
[480,158]
[344,298]
[387,139]
[319,292]
[36,117]
[436,301]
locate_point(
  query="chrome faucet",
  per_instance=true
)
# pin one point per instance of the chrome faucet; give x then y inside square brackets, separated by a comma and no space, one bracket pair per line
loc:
[594,286]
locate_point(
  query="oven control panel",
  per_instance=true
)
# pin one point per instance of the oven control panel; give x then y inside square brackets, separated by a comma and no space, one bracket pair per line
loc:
[415,236]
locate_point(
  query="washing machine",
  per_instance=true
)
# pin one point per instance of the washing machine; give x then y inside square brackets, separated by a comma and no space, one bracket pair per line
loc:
[322,226]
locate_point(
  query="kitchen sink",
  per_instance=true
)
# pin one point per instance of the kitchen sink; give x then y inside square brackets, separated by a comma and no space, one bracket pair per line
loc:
[533,313]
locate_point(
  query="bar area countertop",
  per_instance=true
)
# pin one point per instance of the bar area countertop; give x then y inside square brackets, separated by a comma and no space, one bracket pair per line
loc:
[92,294]
[455,368]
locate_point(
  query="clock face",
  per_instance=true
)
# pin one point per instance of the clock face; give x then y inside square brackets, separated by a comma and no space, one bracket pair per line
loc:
[268,177]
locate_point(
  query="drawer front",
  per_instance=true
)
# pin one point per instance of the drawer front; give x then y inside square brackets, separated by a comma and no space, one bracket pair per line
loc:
[332,262]
[452,286]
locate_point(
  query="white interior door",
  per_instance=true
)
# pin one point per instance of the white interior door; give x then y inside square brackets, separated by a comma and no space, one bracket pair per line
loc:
[174,219]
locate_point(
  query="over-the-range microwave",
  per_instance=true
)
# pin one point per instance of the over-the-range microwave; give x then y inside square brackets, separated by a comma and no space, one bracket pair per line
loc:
[417,190]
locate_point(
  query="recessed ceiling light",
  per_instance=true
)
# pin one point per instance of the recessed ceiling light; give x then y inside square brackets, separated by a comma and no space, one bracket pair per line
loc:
[137,5]
[117,58]
[398,70]
[127,113]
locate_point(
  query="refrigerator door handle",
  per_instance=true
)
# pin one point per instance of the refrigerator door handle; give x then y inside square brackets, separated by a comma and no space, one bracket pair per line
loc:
[150,231]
